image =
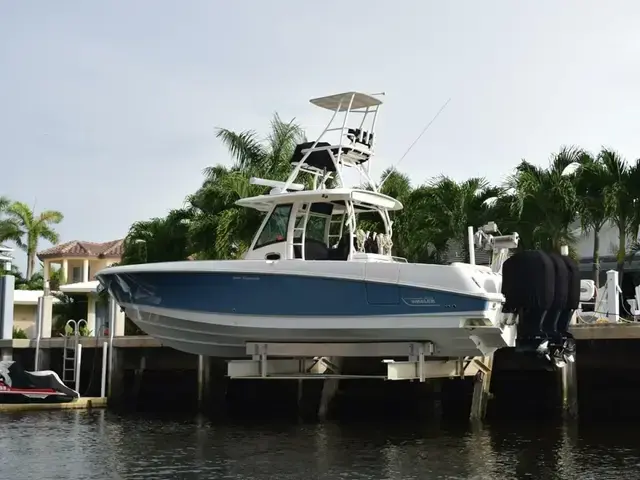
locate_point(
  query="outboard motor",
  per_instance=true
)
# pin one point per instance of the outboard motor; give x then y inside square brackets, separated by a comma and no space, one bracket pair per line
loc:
[543,290]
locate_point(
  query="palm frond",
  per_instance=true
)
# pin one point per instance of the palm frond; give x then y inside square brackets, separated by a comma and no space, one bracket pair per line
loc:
[244,147]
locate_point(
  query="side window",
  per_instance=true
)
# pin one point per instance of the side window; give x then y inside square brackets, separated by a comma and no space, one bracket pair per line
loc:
[275,230]
[315,226]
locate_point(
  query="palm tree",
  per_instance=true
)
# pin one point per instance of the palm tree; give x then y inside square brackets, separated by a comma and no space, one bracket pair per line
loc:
[32,228]
[271,156]
[456,206]
[159,239]
[221,229]
[591,185]
[544,201]
[621,198]
[9,230]
[418,231]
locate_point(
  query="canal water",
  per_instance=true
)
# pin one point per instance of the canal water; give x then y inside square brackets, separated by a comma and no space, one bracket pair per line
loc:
[100,445]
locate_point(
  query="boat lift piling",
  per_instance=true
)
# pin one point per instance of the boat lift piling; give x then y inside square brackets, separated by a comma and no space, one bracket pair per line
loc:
[78,366]
[112,310]
[103,372]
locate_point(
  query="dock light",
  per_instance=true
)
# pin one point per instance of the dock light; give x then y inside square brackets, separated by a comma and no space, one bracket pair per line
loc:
[387,360]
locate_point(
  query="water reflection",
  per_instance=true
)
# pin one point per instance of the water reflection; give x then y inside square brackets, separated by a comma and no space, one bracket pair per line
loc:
[99,445]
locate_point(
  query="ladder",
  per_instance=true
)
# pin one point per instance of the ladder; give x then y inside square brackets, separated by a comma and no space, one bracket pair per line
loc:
[332,235]
[70,350]
[302,229]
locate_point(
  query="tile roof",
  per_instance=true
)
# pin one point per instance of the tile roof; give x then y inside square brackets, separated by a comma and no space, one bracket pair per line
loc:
[78,248]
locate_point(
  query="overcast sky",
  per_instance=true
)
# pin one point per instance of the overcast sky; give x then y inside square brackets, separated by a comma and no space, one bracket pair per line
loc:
[108,109]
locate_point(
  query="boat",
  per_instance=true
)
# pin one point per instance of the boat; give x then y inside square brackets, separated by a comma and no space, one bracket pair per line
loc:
[313,275]
[44,386]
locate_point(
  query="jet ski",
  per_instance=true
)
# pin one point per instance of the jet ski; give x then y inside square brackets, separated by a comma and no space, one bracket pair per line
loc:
[19,386]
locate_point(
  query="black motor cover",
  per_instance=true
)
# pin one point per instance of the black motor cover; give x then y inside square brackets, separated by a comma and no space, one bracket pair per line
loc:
[550,318]
[528,281]
[528,284]
[573,294]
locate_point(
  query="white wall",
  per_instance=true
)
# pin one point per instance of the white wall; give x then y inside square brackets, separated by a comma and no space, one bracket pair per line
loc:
[608,242]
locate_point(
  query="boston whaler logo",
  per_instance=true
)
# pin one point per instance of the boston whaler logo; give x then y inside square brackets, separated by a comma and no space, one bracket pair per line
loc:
[420,302]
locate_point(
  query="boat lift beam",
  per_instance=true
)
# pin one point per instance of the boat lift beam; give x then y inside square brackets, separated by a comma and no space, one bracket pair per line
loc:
[313,361]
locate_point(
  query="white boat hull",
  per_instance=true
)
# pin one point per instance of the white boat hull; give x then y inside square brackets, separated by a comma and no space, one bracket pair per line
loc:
[215,307]
[227,335]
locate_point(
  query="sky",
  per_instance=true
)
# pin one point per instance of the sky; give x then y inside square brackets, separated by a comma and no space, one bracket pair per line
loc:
[108,110]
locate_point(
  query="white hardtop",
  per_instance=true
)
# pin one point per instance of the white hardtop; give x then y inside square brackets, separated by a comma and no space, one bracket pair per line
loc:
[342,102]
[362,199]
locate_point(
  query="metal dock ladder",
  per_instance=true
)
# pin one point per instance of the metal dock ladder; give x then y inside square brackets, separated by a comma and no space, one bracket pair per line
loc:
[70,350]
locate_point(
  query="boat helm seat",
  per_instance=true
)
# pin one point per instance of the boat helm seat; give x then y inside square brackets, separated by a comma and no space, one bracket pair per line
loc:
[321,160]
[341,251]
[363,137]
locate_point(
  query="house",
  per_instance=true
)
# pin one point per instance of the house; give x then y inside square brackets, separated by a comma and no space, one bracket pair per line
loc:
[78,262]
[608,250]
[25,310]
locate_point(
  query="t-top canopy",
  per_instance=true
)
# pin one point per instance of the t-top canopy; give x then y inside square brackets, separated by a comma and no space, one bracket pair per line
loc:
[363,198]
[360,100]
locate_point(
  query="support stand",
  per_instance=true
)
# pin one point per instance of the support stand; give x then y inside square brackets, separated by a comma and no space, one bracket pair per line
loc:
[481,389]
[569,381]
[313,360]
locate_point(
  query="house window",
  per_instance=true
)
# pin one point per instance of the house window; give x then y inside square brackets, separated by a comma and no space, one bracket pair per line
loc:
[76,275]
[275,230]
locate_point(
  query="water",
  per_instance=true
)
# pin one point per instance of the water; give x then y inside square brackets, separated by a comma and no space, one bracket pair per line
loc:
[100,445]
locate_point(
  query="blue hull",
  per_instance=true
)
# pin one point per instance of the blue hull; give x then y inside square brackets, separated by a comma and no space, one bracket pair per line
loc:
[281,295]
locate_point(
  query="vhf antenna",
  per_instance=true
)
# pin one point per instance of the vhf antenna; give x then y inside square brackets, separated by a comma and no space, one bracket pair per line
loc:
[414,142]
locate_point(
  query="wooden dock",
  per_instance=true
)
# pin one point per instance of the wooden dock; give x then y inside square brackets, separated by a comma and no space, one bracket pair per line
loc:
[85,403]
[132,341]
[606,331]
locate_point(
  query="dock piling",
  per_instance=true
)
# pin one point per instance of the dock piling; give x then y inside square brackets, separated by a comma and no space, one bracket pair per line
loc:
[204,382]
[103,377]
[78,365]
[481,389]
[139,374]
[569,380]
[329,390]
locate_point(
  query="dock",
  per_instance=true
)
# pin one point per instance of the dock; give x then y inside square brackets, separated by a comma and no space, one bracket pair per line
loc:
[83,403]
[147,375]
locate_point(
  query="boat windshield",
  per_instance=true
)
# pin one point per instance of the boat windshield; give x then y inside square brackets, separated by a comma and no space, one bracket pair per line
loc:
[275,230]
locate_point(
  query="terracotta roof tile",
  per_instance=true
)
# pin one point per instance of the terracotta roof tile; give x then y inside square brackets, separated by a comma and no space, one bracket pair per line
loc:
[78,248]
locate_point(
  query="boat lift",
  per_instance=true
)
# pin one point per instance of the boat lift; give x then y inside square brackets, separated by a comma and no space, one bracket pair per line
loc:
[290,361]
[419,360]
